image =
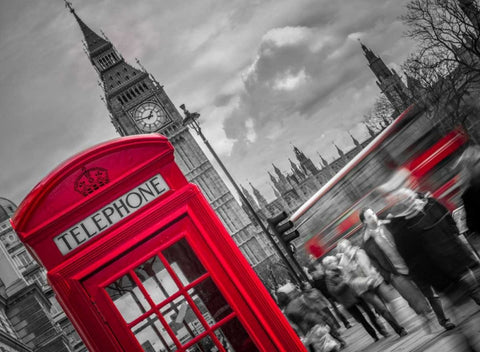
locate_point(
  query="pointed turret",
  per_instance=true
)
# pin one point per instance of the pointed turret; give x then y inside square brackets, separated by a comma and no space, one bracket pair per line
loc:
[388,81]
[357,143]
[281,176]
[305,163]
[282,182]
[93,41]
[339,151]
[249,197]
[272,178]
[370,131]
[296,171]
[275,191]
[115,74]
[324,162]
[262,202]
[322,165]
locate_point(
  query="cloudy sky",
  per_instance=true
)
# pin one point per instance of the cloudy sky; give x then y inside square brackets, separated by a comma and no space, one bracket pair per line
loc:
[263,74]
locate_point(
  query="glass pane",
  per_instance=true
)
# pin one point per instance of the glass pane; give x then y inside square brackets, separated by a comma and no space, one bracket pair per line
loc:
[128,298]
[182,319]
[184,261]
[156,279]
[233,336]
[152,336]
[204,345]
[210,301]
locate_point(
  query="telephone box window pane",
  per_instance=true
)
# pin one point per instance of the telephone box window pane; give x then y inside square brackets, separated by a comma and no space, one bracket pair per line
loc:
[156,279]
[128,298]
[184,261]
[210,301]
[152,336]
[182,319]
[204,345]
[233,336]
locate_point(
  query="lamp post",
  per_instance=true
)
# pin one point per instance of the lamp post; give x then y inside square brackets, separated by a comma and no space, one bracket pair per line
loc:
[190,120]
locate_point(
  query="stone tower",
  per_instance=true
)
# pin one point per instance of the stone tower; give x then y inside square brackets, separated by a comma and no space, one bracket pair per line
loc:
[138,104]
[389,82]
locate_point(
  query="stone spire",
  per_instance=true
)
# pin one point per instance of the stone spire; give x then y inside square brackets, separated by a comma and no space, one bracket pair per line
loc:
[282,182]
[249,197]
[305,163]
[296,171]
[388,81]
[92,39]
[260,198]
[339,151]
[357,143]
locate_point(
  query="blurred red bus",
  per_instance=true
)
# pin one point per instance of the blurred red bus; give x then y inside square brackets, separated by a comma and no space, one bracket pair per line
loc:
[412,142]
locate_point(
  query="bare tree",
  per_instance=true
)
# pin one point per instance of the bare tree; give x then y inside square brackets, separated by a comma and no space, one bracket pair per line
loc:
[446,64]
[380,115]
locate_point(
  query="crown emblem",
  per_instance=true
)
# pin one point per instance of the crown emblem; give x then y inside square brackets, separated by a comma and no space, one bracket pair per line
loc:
[90,180]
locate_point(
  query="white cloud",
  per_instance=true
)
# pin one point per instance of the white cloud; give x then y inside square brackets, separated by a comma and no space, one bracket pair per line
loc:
[251,135]
[287,36]
[290,81]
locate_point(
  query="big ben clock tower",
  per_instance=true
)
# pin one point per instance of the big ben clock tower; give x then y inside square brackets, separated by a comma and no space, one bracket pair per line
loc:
[138,104]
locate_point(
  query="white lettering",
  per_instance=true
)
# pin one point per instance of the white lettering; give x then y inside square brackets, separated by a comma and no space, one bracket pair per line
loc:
[110,214]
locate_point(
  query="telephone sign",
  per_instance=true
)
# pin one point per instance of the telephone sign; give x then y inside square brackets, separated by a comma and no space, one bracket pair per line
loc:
[138,259]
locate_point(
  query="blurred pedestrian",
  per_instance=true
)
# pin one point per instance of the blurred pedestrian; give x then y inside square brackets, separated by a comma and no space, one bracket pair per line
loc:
[367,282]
[309,319]
[470,163]
[426,236]
[319,282]
[380,246]
[343,293]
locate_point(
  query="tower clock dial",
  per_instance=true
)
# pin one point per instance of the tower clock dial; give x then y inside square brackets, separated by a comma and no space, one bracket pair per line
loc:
[149,116]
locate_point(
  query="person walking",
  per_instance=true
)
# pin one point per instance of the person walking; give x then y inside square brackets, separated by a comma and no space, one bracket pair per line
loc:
[426,237]
[379,245]
[308,319]
[367,282]
[319,282]
[343,293]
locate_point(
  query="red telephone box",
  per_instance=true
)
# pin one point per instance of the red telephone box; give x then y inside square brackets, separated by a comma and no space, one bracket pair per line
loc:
[138,259]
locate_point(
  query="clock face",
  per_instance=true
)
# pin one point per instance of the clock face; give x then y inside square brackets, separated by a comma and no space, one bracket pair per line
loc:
[149,117]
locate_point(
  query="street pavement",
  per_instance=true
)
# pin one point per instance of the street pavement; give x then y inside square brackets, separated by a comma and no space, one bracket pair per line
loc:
[420,338]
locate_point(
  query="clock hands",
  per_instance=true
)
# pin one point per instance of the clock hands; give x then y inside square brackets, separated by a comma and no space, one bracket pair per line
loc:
[145,117]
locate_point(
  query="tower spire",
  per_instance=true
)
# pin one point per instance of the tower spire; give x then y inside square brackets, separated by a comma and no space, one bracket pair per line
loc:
[92,39]
[388,81]
[355,141]
[260,198]
[339,151]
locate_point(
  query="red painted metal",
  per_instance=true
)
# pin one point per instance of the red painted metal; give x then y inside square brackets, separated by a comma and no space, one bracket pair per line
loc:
[439,151]
[105,214]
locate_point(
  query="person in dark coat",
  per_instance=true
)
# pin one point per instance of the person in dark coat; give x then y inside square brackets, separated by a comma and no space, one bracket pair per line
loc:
[299,310]
[470,162]
[319,282]
[379,245]
[426,236]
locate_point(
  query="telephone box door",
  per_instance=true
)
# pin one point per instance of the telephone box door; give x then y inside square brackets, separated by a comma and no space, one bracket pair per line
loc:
[166,296]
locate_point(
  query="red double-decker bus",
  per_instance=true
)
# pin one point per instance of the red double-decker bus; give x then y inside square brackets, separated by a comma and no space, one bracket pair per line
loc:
[412,143]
